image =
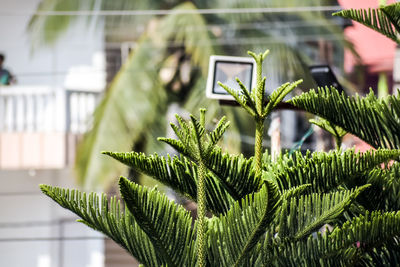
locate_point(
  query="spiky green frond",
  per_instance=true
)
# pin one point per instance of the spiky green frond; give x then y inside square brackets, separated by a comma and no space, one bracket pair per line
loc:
[240,99]
[178,145]
[278,95]
[105,215]
[235,173]
[249,101]
[384,193]
[314,252]
[382,257]
[182,131]
[370,230]
[194,142]
[295,191]
[325,171]
[348,245]
[393,14]
[178,173]
[217,133]
[233,176]
[258,93]
[376,121]
[385,20]
[306,214]
[168,225]
[232,237]
[197,132]
[336,131]
[253,103]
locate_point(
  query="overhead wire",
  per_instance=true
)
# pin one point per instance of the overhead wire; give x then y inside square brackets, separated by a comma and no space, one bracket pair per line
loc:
[49,239]
[210,11]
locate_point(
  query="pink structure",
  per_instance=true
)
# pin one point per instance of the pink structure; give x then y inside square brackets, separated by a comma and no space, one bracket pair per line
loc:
[376,51]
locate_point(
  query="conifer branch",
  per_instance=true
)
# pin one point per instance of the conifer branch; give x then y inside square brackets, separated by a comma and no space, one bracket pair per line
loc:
[337,131]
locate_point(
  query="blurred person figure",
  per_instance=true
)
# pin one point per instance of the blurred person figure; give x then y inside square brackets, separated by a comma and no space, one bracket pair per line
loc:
[6,77]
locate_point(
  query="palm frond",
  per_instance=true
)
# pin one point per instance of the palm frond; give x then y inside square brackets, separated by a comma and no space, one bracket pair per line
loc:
[179,27]
[180,174]
[47,29]
[105,215]
[326,171]
[384,20]
[168,225]
[233,237]
[128,111]
[128,106]
[376,121]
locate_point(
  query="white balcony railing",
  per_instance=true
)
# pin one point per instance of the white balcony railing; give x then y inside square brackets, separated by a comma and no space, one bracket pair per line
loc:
[39,126]
[45,109]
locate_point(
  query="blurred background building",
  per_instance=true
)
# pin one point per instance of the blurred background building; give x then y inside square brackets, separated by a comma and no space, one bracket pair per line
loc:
[41,115]
[117,71]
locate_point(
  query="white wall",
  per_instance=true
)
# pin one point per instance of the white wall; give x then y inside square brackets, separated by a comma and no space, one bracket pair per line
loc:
[29,221]
[30,225]
[77,51]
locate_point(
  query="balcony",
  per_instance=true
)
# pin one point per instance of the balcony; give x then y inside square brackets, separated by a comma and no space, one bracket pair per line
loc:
[40,125]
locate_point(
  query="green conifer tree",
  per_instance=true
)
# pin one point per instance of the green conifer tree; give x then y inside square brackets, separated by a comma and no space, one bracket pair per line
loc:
[336,208]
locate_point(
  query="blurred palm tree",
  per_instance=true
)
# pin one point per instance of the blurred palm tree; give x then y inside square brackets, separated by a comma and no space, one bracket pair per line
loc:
[170,60]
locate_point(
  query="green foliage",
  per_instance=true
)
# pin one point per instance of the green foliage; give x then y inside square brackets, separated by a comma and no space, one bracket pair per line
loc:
[336,208]
[385,188]
[306,214]
[385,20]
[185,33]
[233,236]
[334,130]
[325,171]
[358,242]
[376,121]
[179,174]
[224,182]
[168,226]
[126,121]
[132,111]
[105,215]
[230,170]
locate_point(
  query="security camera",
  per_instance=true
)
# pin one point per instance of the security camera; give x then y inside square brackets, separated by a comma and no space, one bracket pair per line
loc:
[324,76]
